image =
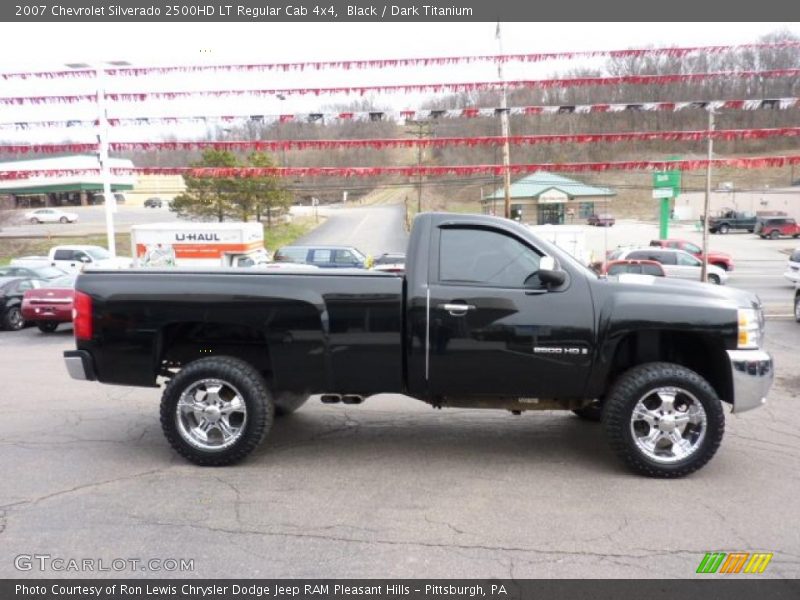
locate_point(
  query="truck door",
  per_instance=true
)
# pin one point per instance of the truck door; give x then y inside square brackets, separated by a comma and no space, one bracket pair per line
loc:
[490,332]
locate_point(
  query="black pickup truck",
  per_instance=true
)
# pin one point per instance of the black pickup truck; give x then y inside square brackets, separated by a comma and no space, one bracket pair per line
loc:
[487,316]
[731,219]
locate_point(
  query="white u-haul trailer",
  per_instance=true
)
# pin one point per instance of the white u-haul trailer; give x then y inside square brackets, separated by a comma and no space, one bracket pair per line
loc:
[198,244]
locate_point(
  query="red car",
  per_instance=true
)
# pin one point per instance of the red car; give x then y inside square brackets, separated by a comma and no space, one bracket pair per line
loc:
[641,267]
[50,304]
[718,259]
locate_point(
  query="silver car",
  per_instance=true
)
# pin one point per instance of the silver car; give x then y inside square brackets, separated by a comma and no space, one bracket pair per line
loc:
[676,263]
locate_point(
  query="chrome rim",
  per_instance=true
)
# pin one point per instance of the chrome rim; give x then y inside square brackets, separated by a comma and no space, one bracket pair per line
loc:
[15,319]
[211,414]
[668,424]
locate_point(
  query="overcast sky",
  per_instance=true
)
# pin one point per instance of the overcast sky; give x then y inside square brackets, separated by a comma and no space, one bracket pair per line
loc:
[47,46]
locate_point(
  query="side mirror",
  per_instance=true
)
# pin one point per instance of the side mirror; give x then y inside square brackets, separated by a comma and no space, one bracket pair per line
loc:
[85,259]
[547,275]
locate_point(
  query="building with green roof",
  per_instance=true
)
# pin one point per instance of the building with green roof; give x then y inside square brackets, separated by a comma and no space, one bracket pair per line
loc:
[544,197]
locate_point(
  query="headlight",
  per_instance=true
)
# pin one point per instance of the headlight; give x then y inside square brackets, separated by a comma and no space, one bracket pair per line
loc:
[751,325]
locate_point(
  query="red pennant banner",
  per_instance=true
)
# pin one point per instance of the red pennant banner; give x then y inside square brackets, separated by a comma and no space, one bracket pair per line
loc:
[424,115]
[405,62]
[413,88]
[276,145]
[415,171]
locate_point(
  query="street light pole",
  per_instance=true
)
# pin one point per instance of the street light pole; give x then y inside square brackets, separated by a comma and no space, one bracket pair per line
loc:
[105,172]
[110,202]
[707,200]
[504,130]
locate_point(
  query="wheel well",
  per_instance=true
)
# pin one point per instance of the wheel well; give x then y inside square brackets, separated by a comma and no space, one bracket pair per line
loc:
[700,353]
[181,343]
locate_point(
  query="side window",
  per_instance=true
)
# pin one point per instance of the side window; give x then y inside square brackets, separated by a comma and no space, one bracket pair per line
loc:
[63,255]
[344,257]
[642,255]
[688,261]
[666,258]
[321,257]
[24,285]
[692,249]
[673,245]
[81,256]
[485,257]
[652,270]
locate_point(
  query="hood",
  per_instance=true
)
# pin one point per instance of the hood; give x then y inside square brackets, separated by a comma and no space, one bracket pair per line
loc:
[673,290]
[120,262]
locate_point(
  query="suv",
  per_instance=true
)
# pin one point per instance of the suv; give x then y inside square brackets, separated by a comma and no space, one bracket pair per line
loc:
[718,259]
[793,267]
[153,203]
[326,257]
[676,263]
[775,227]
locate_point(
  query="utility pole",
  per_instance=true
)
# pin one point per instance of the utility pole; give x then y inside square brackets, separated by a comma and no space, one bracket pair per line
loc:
[504,130]
[423,130]
[707,201]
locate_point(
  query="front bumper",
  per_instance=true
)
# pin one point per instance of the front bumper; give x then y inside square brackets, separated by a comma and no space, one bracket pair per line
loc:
[79,365]
[752,372]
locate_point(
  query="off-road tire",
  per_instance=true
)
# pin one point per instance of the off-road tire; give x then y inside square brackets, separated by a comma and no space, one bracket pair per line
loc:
[592,412]
[287,403]
[47,326]
[625,394]
[254,392]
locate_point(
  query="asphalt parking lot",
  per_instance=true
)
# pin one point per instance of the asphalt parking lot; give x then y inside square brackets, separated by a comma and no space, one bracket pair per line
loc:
[391,488]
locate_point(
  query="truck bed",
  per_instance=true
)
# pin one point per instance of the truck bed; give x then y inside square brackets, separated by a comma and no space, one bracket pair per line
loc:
[310,332]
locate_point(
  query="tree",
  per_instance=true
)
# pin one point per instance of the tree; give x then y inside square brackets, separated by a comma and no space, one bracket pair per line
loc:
[258,196]
[209,197]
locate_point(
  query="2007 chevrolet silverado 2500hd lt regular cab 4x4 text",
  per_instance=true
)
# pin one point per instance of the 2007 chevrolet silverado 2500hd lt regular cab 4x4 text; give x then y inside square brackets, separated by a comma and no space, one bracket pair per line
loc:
[487,315]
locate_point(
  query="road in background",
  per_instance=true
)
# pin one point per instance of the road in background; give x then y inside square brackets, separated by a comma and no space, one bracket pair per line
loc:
[391,488]
[373,229]
[91,220]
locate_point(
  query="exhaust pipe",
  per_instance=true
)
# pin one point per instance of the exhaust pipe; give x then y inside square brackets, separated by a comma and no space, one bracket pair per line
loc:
[352,399]
[331,398]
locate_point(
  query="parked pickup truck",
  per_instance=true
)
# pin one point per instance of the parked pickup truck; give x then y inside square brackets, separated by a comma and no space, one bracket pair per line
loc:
[731,219]
[488,315]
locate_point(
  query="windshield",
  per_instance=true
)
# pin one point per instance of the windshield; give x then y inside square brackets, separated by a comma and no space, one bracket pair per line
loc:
[97,253]
[66,281]
[48,272]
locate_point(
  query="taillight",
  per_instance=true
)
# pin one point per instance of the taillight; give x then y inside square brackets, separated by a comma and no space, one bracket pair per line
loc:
[82,316]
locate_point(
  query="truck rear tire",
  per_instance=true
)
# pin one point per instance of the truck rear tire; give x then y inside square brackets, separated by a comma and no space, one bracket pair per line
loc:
[216,411]
[287,403]
[663,420]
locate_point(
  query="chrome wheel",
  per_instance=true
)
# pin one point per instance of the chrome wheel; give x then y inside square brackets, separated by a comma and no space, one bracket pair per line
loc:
[668,424]
[211,415]
[14,319]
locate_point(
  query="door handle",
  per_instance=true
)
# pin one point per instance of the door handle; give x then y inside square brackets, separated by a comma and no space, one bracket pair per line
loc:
[457,310]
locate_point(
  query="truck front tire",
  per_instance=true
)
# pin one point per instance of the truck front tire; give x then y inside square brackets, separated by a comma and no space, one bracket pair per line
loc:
[216,411]
[724,228]
[663,420]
